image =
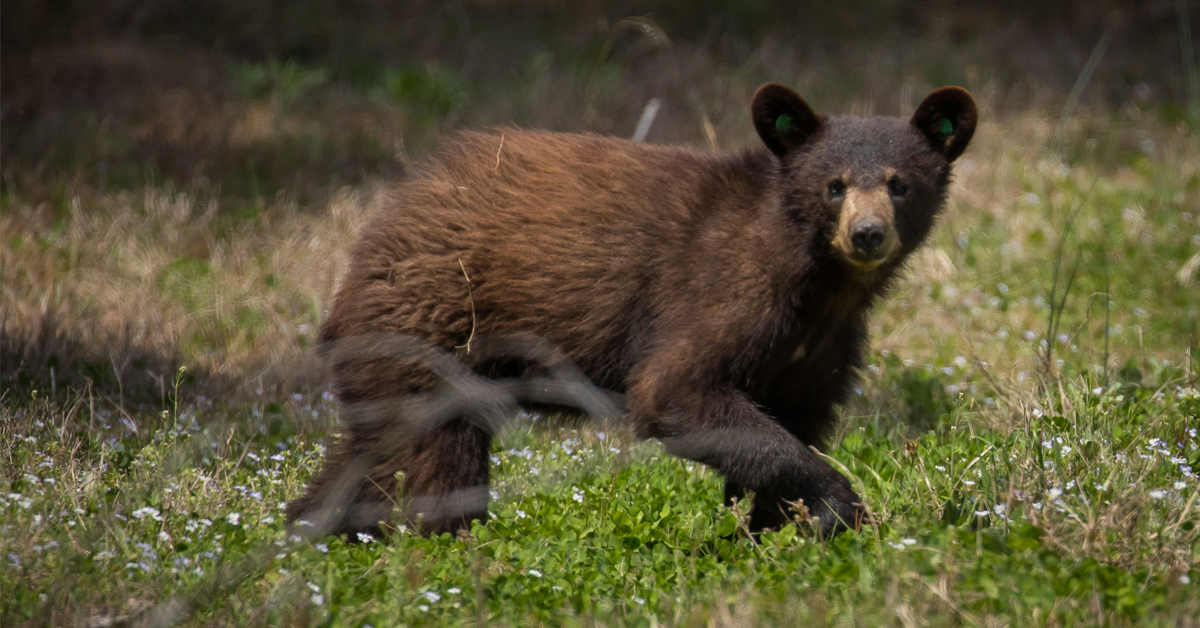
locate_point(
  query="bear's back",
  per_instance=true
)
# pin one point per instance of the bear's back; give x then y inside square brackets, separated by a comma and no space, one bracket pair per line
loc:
[562,235]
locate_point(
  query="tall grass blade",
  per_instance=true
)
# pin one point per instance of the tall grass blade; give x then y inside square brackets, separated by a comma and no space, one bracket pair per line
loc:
[647,119]
[1080,84]
[1190,81]
[1107,308]
[1056,302]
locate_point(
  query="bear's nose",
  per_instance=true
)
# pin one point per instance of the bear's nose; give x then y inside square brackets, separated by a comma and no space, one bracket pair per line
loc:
[867,238]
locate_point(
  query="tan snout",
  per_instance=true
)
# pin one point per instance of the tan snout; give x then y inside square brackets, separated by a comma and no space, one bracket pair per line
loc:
[866,233]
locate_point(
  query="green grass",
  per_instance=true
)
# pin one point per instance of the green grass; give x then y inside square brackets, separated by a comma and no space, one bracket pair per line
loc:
[1086,512]
[1024,433]
[1028,449]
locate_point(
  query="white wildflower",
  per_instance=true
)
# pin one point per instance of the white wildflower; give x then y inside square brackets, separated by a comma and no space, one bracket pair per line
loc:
[142,513]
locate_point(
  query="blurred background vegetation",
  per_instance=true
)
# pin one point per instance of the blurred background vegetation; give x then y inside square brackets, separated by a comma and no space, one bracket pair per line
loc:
[169,168]
[268,96]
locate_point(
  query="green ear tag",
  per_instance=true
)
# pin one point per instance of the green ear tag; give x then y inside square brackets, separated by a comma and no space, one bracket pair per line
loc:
[783,123]
[946,128]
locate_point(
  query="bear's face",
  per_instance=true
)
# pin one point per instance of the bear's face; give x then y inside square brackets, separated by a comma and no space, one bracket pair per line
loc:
[873,186]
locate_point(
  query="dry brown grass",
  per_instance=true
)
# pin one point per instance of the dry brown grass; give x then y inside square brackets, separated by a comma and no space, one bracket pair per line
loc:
[170,275]
[102,288]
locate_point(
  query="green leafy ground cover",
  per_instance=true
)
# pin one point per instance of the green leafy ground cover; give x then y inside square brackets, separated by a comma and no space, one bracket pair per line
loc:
[1087,512]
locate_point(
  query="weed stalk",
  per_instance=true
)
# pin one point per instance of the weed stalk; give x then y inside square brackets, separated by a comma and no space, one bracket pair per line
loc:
[1191,83]
[1056,302]
[1081,82]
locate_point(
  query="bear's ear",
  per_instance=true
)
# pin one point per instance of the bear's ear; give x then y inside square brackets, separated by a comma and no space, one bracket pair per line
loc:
[947,119]
[783,120]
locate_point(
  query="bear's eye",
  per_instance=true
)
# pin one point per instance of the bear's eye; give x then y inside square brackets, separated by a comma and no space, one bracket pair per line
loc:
[896,187]
[836,188]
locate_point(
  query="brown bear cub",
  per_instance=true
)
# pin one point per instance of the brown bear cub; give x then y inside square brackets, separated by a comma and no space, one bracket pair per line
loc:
[726,296]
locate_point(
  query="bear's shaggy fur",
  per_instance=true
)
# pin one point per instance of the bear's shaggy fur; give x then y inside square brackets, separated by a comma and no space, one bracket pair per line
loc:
[725,295]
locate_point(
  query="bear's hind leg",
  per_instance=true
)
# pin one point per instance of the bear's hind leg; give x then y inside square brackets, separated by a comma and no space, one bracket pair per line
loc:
[445,484]
[348,495]
[446,477]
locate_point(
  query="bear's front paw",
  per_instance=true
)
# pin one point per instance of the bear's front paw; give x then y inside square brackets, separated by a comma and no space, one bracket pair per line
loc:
[834,508]
[838,513]
[833,512]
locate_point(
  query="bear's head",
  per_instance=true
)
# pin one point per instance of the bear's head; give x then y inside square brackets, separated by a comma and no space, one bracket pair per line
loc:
[871,186]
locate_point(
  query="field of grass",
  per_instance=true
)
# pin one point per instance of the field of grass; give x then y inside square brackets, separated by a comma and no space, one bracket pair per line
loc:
[1025,434]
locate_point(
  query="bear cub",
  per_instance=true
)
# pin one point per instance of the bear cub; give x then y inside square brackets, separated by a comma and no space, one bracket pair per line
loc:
[725,296]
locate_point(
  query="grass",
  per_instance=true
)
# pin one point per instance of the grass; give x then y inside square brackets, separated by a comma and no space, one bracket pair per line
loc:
[1084,514]
[1025,432]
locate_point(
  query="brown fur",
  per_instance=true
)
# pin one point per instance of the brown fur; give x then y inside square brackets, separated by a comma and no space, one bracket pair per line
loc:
[722,294]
